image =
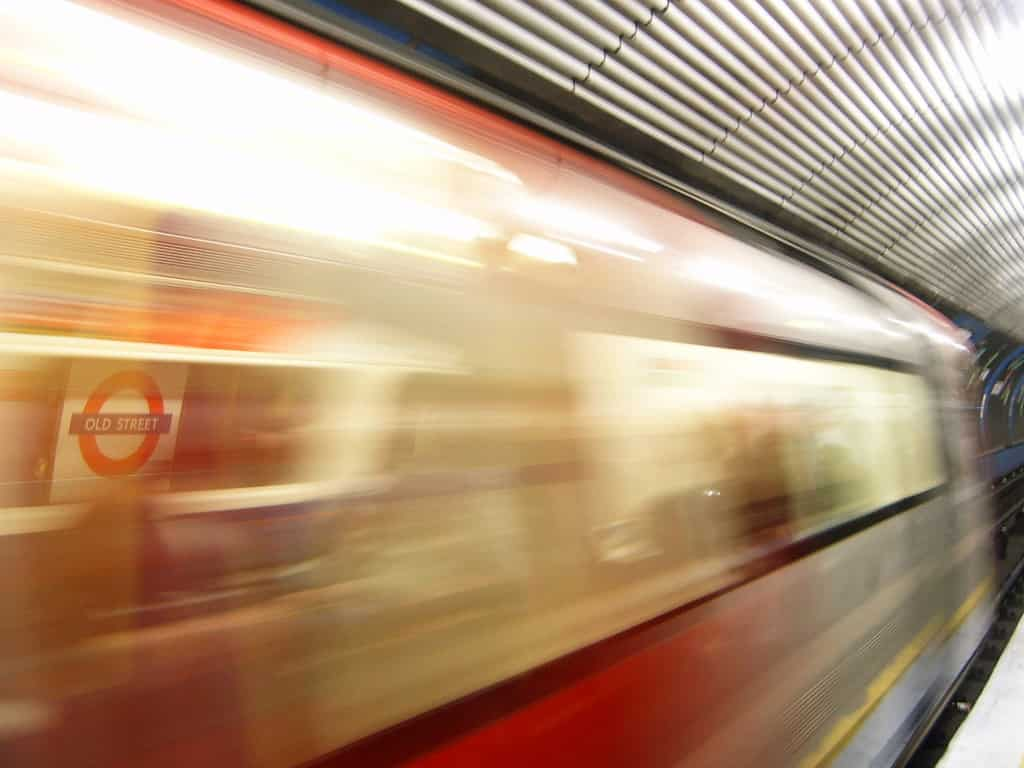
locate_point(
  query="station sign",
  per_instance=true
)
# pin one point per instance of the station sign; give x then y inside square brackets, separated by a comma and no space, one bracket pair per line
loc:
[119,419]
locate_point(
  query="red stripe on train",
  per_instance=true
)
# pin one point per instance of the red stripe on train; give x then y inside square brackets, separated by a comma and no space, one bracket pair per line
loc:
[648,696]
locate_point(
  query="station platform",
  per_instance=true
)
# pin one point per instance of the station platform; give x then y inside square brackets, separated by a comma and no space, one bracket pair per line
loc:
[993,734]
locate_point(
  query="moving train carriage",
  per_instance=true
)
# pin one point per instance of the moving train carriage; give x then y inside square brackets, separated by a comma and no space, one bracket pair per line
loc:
[372,538]
[377,539]
[433,440]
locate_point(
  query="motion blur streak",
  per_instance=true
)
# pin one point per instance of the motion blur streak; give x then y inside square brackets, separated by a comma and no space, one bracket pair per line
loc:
[349,423]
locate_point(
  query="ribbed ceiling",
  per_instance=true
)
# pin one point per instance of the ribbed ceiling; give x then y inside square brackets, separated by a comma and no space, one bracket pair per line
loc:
[893,127]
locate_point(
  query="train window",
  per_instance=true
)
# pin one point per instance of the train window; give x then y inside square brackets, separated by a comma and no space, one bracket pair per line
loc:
[643,406]
[242,426]
[768,443]
[701,452]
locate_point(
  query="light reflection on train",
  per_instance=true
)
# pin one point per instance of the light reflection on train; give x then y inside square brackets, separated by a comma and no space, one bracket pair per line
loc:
[348,422]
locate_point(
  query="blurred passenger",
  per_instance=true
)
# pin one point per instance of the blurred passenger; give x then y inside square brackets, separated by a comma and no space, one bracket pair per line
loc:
[759,468]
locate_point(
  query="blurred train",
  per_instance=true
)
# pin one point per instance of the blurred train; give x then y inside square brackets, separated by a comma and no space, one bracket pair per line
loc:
[347,423]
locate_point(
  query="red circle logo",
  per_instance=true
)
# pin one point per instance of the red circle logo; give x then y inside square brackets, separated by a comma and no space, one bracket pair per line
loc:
[150,425]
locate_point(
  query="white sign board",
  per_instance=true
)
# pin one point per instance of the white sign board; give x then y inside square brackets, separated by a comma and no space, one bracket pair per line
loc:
[120,418]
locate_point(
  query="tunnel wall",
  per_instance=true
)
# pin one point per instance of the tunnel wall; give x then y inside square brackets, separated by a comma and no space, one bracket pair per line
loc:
[996,391]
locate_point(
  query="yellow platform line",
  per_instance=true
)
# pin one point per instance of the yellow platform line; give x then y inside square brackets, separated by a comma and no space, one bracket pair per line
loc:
[846,726]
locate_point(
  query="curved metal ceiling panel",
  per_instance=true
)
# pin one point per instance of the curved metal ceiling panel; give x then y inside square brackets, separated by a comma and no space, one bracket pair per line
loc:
[894,127]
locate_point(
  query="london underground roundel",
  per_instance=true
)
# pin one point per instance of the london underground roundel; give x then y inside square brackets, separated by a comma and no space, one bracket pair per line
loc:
[94,420]
[120,418]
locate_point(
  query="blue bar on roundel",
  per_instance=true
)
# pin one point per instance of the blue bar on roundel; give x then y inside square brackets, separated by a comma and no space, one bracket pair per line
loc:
[120,423]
